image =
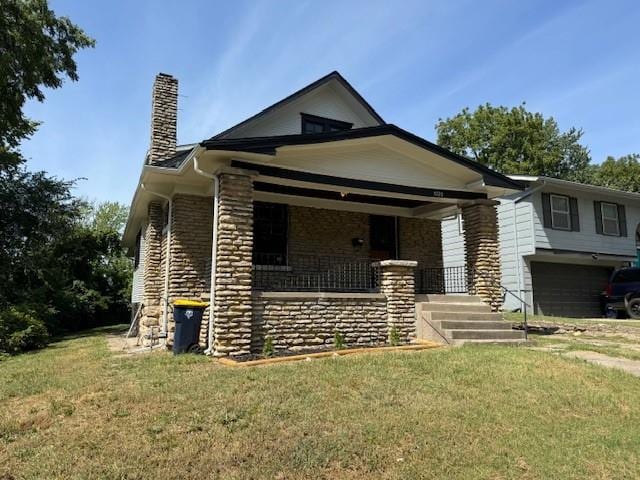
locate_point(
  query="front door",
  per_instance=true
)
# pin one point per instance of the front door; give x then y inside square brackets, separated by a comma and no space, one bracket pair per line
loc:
[382,237]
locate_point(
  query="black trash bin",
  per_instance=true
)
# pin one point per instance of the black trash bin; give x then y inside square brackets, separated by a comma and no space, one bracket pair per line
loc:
[187,314]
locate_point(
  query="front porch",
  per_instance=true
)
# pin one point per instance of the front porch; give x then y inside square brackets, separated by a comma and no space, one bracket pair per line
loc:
[310,241]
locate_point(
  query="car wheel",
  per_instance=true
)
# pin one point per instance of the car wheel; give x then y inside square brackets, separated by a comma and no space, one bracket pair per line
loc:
[633,308]
[197,349]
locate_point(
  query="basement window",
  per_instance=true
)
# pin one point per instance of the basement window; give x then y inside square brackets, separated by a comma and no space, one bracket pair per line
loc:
[314,124]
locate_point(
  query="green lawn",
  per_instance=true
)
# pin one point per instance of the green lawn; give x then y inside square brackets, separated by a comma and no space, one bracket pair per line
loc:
[77,411]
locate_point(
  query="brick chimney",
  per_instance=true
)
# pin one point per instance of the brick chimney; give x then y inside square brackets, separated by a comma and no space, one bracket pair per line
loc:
[164,117]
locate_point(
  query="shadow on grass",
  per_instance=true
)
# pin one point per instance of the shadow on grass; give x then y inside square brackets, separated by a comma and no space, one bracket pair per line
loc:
[118,329]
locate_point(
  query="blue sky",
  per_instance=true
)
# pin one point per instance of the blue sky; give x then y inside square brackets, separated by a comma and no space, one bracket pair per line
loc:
[578,61]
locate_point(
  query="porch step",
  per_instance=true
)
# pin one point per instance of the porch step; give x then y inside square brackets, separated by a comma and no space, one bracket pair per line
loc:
[467,324]
[458,319]
[436,298]
[469,334]
[473,316]
[462,307]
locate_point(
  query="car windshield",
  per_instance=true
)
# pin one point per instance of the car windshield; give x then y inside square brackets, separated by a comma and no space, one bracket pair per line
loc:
[627,275]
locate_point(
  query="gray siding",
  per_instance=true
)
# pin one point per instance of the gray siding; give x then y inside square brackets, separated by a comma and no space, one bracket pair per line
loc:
[137,284]
[586,240]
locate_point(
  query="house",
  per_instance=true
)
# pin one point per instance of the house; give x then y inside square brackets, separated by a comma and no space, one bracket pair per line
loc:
[312,217]
[559,243]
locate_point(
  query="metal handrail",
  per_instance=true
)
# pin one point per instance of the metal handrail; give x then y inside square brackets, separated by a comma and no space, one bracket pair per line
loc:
[510,292]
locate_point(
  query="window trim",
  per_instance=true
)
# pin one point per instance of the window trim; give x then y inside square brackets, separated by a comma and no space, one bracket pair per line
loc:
[567,212]
[326,123]
[617,219]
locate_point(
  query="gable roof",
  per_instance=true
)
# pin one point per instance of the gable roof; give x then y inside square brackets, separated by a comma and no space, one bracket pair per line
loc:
[269,145]
[303,91]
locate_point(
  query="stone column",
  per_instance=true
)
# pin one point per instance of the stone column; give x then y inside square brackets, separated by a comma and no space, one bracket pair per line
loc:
[232,311]
[397,283]
[480,221]
[153,274]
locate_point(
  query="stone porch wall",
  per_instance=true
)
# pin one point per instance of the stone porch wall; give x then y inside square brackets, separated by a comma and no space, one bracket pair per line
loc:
[296,321]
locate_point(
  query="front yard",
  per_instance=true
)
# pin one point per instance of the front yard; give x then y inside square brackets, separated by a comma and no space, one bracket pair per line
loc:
[76,410]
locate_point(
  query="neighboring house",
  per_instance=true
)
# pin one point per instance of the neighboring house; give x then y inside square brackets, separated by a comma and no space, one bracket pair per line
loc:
[312,217]
[559,242]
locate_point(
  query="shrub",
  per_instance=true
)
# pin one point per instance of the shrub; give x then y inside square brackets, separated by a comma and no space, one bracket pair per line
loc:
[394,337]
[267,348]
[21,330]
[338,341]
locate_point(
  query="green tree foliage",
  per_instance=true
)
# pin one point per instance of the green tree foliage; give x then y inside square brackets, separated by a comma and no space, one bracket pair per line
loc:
[515,141]
[61,269]
[36,52]
[621,174]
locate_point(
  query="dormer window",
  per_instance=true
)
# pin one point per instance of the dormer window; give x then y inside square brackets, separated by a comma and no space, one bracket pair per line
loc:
[314,124]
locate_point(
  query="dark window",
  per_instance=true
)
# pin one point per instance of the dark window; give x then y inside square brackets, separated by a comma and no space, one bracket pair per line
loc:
[269,233]
[136,253]
[313,124]
[627,275]
[382,232]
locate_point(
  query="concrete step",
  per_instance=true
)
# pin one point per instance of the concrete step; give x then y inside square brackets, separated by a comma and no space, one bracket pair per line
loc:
[512,341]
[455,307]
[470,325]
[482,334]
[448,298]
[474,316]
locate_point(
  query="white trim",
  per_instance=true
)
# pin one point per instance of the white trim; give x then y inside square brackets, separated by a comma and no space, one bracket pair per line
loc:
[577,186]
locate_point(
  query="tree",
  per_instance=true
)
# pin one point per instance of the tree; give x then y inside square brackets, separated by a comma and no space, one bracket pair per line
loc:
[36,51]
[515,141]
[622,173]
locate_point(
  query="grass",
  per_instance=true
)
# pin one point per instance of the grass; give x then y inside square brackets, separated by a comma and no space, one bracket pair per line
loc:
[518,317]
[76,411]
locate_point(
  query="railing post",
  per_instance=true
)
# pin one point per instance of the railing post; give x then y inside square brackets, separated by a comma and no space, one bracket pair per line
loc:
[526,327]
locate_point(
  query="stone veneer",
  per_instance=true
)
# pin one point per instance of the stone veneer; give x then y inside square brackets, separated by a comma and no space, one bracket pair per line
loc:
[153,273]
[397,283]
[296,320]
[232,311]
[190,269]
[164,117]
[480,222]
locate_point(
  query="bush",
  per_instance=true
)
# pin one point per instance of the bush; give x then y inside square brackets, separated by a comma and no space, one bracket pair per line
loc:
[267,348]
[394,337]
[338,341]
[21,330]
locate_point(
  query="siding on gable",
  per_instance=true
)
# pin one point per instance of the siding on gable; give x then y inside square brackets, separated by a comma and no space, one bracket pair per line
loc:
[586,240]
[325,102]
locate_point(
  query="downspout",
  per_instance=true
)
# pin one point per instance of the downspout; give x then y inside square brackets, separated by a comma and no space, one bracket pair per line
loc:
[165,297]
[214,251]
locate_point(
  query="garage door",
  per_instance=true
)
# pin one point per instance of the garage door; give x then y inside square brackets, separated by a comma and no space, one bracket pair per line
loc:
[568,290]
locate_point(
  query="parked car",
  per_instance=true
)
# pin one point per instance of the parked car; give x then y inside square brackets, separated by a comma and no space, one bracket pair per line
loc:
[622,293]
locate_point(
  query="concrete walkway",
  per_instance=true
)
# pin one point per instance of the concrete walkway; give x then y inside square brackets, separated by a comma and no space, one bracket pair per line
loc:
[629,366]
